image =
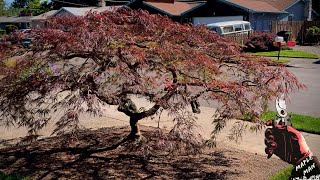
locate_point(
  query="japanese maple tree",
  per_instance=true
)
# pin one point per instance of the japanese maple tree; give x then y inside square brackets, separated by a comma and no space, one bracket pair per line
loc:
[106,58]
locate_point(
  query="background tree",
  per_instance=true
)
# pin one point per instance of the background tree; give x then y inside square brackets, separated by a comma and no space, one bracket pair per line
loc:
[2,8]
[104,59]
[36,7]
[20,3]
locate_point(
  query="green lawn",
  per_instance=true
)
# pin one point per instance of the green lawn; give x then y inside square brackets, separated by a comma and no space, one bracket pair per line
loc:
[283,174]
[299,122]
[287,53]
[281,60]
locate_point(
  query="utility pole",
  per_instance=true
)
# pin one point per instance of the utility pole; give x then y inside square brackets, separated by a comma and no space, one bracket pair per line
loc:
[310,11]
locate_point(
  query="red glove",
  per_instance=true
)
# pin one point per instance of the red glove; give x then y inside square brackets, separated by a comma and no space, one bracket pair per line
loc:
[287,143]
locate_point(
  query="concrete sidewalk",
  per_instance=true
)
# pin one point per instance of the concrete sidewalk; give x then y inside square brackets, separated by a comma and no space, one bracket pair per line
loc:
[251,141]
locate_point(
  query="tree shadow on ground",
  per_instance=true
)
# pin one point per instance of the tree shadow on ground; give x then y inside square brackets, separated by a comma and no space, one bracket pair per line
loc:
[98,155]
[316,62]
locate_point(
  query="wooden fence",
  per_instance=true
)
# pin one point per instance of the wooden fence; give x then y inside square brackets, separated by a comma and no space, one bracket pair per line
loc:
[297,28]
[298,31]
[240,38]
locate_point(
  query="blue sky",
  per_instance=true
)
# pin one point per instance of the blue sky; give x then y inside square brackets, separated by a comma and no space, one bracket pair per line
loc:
[8,2]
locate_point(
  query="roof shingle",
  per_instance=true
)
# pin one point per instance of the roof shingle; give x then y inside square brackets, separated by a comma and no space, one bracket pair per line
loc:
[44,15]
[175,9]
[263,5]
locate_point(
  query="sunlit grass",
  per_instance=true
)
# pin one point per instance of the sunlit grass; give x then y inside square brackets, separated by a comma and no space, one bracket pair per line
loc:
[300,122]
[283,174]
[281,60]
[287,53]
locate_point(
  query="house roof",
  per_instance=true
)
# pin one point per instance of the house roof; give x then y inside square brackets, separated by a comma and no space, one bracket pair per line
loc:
[5,19]
[271,6]
[106,8]
[82,11]
[14,19]
[281,4]
[75,10]
[174,9]
[44,15]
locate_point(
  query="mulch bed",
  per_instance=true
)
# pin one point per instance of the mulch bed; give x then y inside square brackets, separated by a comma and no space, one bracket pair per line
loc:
[95,155]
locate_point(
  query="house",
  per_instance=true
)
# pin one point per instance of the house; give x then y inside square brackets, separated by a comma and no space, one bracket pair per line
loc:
[82,11]
[22,22]
[259,12]
[262,12]
[40,20]
[72,11]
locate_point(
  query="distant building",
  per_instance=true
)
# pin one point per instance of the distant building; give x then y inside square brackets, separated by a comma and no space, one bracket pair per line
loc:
[259,12]
[40,21]
[21,22]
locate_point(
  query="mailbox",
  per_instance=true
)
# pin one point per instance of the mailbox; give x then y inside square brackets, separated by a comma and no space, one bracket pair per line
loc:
[278,39]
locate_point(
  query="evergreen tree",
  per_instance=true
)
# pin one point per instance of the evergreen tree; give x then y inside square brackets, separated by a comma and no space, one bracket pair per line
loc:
[2,8]
[20,3]
[36,7]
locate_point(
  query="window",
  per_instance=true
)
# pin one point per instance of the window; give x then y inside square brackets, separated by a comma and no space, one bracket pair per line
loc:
[238,27]
[213,29]
[228,29]
[247,26]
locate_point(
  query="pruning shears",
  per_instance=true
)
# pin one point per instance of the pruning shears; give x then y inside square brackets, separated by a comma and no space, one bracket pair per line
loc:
[282,118]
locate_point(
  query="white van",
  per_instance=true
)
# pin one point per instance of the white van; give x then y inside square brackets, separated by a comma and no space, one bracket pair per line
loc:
[231,27]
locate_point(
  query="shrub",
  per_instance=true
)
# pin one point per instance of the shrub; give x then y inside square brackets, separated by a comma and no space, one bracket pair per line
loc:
[260,41]
[11,28]
[313,35]
[2,31]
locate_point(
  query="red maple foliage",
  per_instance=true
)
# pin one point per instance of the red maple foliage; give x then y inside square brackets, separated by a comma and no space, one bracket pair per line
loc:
[104,58]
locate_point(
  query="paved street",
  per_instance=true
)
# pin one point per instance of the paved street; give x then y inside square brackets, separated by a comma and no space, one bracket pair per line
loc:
[308,71]
[306,101]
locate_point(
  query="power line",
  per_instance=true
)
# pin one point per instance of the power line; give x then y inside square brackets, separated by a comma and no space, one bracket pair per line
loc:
[84,5]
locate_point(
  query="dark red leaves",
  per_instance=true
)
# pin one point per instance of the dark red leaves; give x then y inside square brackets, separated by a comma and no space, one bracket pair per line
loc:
[114,54]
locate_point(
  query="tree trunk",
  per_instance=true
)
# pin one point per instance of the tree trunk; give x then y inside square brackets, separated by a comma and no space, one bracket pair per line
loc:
[135,131]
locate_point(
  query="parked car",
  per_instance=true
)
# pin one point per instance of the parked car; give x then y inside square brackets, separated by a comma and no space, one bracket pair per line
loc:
[231,27]
[26,41]
[25,30]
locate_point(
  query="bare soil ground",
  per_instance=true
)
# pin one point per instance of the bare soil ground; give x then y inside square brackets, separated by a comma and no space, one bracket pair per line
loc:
[96,155]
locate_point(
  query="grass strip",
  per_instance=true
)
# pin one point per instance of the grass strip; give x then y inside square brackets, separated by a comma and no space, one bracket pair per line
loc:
[281,61]
[283,174]
[287,53]
[300,122]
